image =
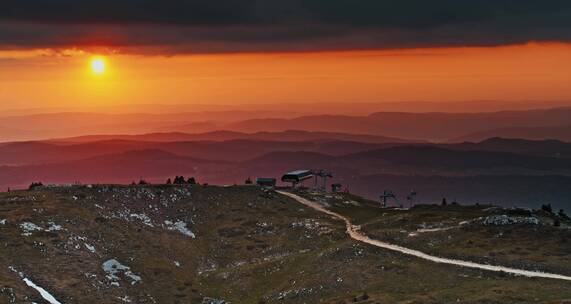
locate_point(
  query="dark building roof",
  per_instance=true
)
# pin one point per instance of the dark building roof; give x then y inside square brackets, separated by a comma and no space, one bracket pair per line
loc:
[266,181]
[297,176]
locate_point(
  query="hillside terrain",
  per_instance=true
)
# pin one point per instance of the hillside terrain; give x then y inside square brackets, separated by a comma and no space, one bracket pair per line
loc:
[560,132]
[439,126]
[239,244]
[535,172]
[419,126]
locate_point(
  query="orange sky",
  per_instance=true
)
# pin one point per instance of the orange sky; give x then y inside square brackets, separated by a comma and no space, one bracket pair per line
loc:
[529,72]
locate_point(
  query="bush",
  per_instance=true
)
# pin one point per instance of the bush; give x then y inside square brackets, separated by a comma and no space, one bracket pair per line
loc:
[547,208]
[179,180]
[35,185]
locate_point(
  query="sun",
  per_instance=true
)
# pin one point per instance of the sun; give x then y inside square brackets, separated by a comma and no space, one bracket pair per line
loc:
[98,65]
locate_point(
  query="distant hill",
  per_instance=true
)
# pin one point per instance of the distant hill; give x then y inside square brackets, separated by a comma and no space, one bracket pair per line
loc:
[562,133]
[393,126]
[69,124]
[152,165]
[421,157]
[20,126]
[224,135]
[248,157]
[424,160]
[152,137]
[504,190]
[417,126]
[230,162]
[550,148]
[23,153]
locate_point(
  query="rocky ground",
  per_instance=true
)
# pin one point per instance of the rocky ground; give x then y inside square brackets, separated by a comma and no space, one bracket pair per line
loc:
[519,237]
[239,244]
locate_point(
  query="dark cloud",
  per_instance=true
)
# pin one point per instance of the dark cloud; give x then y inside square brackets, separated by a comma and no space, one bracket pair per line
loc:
[287,25]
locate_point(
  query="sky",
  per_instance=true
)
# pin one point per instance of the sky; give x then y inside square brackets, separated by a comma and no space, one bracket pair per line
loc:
[296,51]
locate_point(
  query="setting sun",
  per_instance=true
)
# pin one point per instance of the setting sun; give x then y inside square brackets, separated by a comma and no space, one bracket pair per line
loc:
[98,65]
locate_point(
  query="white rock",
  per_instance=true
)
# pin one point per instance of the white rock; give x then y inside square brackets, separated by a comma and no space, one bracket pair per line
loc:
[90,247]
[501,220]
[28,228]
[181,227]
[113,268]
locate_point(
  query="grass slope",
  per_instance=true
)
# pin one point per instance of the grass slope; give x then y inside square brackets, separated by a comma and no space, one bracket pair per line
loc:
[250,247]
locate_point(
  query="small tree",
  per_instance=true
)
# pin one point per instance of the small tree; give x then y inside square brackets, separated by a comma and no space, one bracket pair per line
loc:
[562,214]
[169,182]
[191,181]
[444,202]
[547,208]
[179,180]
[34,185]
[248,181]
[143,182]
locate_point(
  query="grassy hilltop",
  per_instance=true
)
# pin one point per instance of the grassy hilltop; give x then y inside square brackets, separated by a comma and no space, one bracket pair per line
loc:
[182,244]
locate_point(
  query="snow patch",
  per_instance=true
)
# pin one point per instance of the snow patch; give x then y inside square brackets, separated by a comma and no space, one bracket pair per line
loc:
[143,218]
[125,299]
[44,293]
[113,268]
[179,226]
[214,301]
[54,227]
[90,247]
[125,214]
[28,228]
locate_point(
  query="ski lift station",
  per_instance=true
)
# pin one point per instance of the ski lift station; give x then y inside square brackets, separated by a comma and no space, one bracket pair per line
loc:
[296,177]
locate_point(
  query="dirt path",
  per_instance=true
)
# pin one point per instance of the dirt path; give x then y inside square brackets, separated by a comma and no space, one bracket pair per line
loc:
[359,236]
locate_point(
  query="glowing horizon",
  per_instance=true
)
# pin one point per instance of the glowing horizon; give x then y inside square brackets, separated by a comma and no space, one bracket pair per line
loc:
[39,78]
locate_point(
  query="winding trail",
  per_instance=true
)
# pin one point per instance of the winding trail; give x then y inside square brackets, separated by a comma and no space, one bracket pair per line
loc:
[359,236]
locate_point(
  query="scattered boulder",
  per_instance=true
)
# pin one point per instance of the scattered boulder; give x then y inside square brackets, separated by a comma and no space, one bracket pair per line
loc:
[361,298]
[502,220]
[214,301]
[113,268]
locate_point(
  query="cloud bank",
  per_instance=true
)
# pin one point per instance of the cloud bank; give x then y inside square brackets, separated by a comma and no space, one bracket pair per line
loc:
[208,26]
